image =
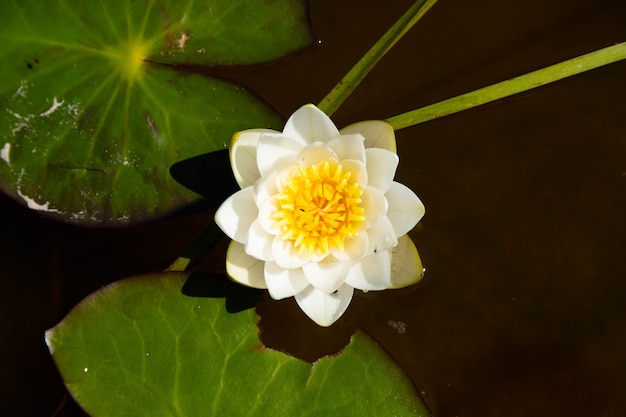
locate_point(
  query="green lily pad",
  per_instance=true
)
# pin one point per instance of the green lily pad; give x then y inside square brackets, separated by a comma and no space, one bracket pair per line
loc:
[170,344]
[95,109]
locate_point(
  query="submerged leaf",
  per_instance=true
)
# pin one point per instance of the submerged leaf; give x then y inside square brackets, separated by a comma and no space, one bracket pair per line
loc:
[91,119]
[168,344]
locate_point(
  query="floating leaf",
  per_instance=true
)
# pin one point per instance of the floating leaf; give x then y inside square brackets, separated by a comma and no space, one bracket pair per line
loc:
[91,118]
[170,344]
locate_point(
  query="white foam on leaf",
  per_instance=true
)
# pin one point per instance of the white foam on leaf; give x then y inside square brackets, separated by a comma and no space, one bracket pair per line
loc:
[5,153]
[21,90]
[31,203]
[55,105]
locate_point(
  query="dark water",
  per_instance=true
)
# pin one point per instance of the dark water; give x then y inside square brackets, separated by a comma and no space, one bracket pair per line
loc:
[521,311]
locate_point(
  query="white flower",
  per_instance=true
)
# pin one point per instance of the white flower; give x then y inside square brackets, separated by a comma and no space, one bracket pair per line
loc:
[319,214]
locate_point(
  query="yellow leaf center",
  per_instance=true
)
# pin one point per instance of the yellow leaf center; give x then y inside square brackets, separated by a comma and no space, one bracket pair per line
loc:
[319,207]
[129,58]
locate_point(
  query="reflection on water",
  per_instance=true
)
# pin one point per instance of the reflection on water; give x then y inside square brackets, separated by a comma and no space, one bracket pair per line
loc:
[524,240]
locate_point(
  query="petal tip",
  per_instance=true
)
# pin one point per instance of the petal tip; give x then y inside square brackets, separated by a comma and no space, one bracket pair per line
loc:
[325,309]
[377,134]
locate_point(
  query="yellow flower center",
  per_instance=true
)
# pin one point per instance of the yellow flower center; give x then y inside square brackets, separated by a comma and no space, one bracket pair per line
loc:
[319,207]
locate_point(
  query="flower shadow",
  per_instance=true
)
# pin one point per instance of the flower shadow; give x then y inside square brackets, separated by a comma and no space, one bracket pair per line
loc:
[209,175]
[206,285]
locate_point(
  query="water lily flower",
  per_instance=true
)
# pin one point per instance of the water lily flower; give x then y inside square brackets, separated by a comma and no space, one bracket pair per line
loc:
[319,214]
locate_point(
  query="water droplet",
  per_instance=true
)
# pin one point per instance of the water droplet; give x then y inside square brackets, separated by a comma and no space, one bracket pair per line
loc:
[75,364]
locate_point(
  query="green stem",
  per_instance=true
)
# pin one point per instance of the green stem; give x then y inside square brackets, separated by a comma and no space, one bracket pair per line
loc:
[346,86]
[510,87]
[198,248]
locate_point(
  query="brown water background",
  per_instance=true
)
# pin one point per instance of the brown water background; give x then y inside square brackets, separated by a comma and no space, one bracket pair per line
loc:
[522,308]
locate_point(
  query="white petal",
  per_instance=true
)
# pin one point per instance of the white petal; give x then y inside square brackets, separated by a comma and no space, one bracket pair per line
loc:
[381,236]
[381,167]
[285,171]
[374,203]
[377,134]
[259,243]
[314,154]
[286,256]
[267,209]
[372,273]
[243,268]
[243,155]
[405,208]
[353,248]
[348,147]
[406,265]
[264,188]
[236,214]
[327,276]
[324,309]
[275,150]
[358,170]
[310,124]
[283,283]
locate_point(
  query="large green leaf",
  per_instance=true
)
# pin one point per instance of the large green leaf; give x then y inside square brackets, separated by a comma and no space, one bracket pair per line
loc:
[167,345]
[94,112]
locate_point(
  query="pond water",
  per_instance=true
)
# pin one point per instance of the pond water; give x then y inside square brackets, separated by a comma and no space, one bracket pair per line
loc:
[521,310]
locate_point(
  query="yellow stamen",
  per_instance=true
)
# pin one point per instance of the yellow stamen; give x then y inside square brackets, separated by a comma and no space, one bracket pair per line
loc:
[319,207]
